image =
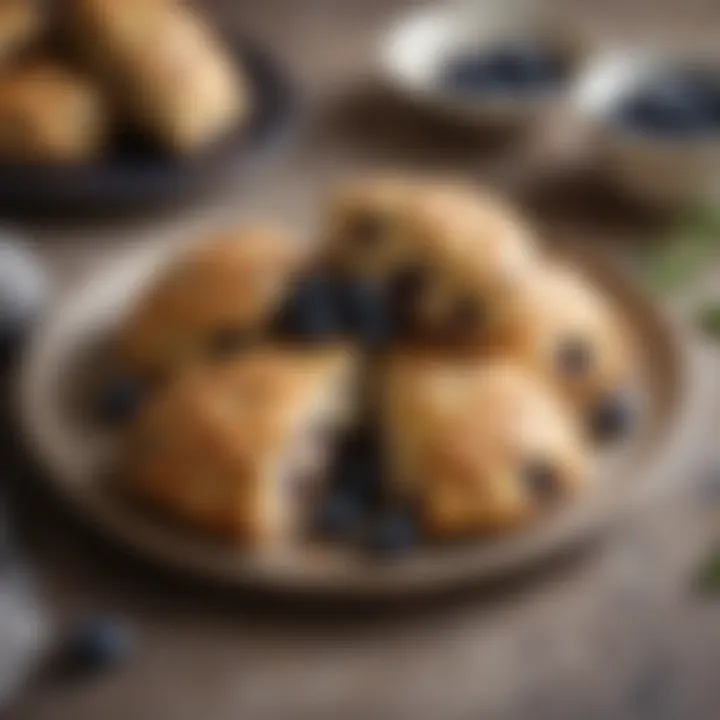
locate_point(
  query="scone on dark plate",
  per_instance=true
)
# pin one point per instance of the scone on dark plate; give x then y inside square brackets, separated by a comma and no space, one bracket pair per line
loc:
[49,114]
[238,449]
[21,25]
[164,66]
[453,256]
[479,448]
[569,333]
[213,297]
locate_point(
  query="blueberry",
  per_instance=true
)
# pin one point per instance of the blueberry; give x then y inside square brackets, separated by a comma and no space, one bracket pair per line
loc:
[341,515]
[393,533]
[678,104]
[311,312]
[511,66]
[574,357]
[611,419]
[23,288]
[120,399]
[541,478]
[358,469]
[96,644]
[366,314]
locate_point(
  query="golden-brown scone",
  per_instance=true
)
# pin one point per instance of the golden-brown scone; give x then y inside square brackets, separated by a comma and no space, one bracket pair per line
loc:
[21,24]
[165,67]
[239,449]
[456,256]
[568,332]
[214,295]
[481,447]
[49,114]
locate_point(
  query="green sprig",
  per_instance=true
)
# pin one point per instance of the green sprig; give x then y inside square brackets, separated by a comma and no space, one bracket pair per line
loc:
[685,252]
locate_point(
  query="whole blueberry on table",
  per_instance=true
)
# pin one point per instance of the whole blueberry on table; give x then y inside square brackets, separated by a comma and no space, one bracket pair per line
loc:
[97,643]
[23,289]
[310,313]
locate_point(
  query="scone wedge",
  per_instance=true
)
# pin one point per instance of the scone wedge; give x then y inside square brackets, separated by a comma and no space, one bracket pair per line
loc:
[239,449]
[477,448]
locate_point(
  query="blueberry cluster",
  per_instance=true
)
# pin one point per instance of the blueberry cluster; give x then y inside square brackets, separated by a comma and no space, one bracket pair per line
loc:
[681,103]
[508,67]
[356,508]
[322,307]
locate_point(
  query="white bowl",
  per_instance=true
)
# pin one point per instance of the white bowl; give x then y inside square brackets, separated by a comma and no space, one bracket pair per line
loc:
[667,171]
[415,49]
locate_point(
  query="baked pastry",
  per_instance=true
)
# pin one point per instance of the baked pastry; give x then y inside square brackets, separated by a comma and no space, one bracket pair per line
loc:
[48,114]
[239,448]
[478,447]
[454,257]
[568,332]
[21,24]
[215,297]
[165,67]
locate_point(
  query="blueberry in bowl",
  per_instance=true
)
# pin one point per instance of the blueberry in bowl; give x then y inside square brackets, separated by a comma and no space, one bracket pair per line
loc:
[678,103]
[653,121]
[505,67]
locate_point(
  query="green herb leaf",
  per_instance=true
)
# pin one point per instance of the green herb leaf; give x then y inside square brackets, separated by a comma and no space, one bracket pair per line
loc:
[707,320]
[685,252]
[708,578]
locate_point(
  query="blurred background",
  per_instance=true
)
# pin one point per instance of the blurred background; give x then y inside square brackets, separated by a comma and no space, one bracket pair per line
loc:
[627,629]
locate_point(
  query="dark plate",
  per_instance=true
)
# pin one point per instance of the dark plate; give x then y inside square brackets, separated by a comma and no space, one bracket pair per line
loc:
[138,175]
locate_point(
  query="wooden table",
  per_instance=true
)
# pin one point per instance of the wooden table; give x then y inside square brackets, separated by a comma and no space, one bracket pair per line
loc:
[614,633]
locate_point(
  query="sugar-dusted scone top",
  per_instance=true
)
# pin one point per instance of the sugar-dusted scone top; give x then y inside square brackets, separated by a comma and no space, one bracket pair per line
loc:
[238,449]
[216,292]
[21,24]
[456,254]
[479,447]
[164,66]
[49,114]
[576,340]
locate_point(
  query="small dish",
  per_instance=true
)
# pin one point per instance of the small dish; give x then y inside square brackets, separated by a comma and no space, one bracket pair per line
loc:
[449,58]
[676,163]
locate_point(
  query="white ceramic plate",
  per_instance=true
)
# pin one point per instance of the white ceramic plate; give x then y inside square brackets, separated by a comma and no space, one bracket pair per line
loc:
[59,368]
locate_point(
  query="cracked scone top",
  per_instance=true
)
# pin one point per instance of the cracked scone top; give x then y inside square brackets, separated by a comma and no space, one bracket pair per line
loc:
[479,447]
[455,256]
[239,448]
[219,292]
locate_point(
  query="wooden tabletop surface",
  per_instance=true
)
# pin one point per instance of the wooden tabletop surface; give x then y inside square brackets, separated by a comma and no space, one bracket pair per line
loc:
[615,633]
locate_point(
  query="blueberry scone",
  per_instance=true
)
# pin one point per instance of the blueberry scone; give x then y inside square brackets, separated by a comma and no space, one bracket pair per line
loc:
[215,297]
[164,66]
[479,448]
[569,333]
[453,257]
[48,114]
[239,448]
[21,24]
